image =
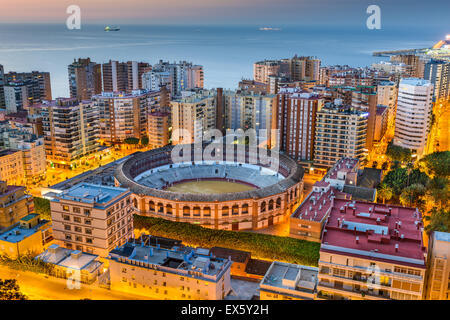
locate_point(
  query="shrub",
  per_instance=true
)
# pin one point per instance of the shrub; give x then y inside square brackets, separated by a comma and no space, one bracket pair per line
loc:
[260,245]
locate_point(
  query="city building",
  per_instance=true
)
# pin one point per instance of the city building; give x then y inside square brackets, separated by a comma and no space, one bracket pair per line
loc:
[371,251]
[413,120]
[155,80]
[364,98]
[292,69]
[438,267]
[438,73]
[12,167]
[123,76]
[287,281]
[192,116]
[158,129]
[253,86]
[381,123]
[38,84]
[248,110]
[340,132]
[70,130]
[16,96]
[27,237]
[122,115]
[92,218]
[238,258]
[179,273]
[72,264]
[85,79]
[32,148]
[415,64]
[2,84]
[295,115]
[15,204]
[387,93]
[182,76]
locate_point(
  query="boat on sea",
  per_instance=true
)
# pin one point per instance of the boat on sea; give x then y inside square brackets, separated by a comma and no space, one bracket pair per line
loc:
[269,29]
[112,28]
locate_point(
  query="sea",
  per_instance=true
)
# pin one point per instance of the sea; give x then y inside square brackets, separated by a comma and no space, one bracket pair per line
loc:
[227,52]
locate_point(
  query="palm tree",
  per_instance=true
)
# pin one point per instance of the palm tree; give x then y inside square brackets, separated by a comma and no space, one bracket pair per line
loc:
[385,192]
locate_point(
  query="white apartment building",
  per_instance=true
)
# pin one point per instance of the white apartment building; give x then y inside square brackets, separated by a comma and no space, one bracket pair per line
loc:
[413,119]
[438,270]
[92,218]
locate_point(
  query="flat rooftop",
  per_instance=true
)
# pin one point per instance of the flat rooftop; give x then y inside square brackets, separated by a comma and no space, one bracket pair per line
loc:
[318,202]
[344,165]
[442,236]
[91,193]
[72,259]
[17,234]
[379,232]
[178,260]
[291,276]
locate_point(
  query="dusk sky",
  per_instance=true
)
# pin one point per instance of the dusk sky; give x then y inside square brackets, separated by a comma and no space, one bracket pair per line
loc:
[262,12]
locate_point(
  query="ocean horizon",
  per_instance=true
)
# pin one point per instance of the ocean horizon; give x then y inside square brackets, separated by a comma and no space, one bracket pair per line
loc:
[227,53]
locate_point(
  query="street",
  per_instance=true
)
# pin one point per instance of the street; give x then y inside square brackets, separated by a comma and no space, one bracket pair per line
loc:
[41,287]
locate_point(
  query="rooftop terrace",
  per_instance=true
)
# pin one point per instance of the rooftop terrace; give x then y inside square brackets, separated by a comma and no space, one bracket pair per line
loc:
[381,232]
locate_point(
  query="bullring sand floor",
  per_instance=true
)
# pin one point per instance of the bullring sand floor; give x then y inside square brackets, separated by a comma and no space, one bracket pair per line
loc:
[206,187]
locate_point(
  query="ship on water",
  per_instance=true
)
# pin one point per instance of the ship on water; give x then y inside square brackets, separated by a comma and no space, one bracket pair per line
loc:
[112,28]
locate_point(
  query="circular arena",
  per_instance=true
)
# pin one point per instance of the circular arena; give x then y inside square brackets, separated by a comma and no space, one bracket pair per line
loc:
[236,193]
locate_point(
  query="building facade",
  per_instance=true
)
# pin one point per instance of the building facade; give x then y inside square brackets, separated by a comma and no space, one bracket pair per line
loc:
[70,130]
[295,115]
[340,132]
[182,274]
[85,79]
[92,218]
[438,273]
[15,204]
[413,120]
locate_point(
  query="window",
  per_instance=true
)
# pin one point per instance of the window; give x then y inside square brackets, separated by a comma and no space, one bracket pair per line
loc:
[66,217]
[89,240]
[67,227]
[77,229]
[76,210]
[87,211]
[88,231]
[66,208]
[77,219]
[68,237]
[78,238]
[88,221]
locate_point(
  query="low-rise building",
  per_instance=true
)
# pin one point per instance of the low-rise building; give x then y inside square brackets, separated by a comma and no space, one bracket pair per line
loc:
[92,218]
[72,264]
[178,273]
[239,259]
[287,281]
[15,204]
[28,236]
[372,251]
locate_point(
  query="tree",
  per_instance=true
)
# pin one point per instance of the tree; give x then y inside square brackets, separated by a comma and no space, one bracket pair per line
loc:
[42,207]
[144,141]
[439,220]
[131,141]
[438,190]
[9,290]
[397,153]
[412,195]
[437,164]
[385,192]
